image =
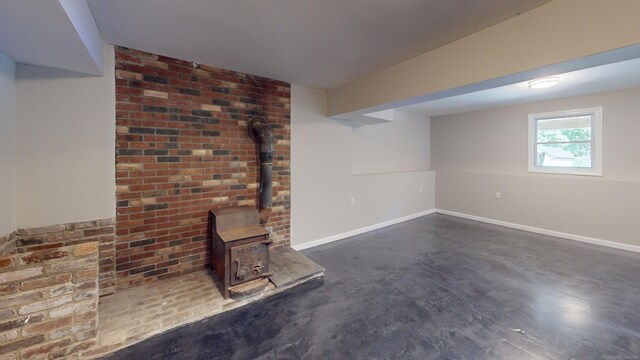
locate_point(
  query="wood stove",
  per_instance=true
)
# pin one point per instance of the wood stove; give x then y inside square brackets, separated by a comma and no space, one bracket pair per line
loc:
[240,249]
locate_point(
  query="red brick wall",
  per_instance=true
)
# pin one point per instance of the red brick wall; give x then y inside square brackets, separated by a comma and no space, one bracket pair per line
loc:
[183,149]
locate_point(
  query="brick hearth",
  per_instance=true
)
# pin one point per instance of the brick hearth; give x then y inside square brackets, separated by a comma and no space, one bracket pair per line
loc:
[135,314]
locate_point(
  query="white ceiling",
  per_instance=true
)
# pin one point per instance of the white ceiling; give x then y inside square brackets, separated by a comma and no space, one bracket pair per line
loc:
[320,44]
[609,77]
[315,43]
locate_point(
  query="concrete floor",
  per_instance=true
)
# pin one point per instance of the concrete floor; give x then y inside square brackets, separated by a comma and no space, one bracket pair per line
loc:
[436,287]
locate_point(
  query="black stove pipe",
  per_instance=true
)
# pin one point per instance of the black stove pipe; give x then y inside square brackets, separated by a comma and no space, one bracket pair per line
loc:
[260,131]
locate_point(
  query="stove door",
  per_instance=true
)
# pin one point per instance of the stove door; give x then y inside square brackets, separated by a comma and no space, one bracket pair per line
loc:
[250,261]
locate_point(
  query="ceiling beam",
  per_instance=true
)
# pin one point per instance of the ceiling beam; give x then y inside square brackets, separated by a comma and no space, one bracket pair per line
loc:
[560,32]
[82,20]
[60,34]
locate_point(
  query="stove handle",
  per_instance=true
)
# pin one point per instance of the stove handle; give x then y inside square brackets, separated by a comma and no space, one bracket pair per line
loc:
[238,276]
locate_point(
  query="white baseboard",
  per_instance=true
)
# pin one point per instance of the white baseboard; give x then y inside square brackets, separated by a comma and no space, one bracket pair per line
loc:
[580,238]
[332,238]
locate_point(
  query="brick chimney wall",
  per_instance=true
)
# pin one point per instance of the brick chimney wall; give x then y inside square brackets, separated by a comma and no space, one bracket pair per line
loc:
[183,149]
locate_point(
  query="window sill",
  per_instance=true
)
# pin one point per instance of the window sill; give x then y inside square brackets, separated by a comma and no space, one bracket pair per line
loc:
[566,171]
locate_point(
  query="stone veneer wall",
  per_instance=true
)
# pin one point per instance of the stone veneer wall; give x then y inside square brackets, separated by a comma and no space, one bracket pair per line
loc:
[49,290]
[107,265]
[7,244]
[182,150]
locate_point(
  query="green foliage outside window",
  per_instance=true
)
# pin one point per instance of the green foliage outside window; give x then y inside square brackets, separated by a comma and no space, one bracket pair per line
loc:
[579,150]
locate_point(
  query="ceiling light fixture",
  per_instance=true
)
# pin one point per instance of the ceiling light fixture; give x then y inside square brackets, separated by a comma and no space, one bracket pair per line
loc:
[544,82]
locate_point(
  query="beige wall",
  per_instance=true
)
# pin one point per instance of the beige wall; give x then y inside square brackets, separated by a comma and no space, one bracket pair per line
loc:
[65,145]
[322,174]
[7,145]
[479,153]
[556,32]
[320,169]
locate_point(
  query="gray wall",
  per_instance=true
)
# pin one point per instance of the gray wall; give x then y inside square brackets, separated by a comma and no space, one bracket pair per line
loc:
[397,146]
[478,153]
[7,145]
[324,154]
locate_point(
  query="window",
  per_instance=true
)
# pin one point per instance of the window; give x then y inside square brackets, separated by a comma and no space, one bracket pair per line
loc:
[566,142]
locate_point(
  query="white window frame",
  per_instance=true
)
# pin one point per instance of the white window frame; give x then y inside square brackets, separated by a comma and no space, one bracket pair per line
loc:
[596,142]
